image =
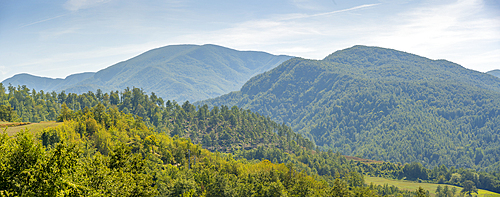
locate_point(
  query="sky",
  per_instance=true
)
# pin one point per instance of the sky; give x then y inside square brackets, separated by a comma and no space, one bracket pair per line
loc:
[58,38]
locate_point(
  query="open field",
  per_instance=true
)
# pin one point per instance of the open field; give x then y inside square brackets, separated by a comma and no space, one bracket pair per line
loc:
[12,124]
[33,127]
[411,185]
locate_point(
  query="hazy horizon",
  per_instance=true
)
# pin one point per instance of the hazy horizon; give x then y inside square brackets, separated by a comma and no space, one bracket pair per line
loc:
[61,38]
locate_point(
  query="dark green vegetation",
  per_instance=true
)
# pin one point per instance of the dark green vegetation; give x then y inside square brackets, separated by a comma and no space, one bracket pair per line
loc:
[384,105]
[495,73]
[178,72]
[221,129]
[7,113]
[99,152]
[99,126]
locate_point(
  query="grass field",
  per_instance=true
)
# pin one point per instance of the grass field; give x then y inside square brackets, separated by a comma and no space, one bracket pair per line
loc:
[12,124]
[33,127]
[412,186]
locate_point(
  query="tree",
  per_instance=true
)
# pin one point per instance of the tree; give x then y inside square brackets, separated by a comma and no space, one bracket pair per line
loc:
[469,187]
[66,113]
[421,192]
[439,191]
[7,113]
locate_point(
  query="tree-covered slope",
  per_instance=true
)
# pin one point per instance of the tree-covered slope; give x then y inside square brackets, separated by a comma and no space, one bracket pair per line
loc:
[97,122]
[176,72]
[383,104]
[495,73]
[45,83]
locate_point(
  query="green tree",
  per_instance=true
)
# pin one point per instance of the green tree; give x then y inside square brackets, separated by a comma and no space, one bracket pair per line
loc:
[469,187]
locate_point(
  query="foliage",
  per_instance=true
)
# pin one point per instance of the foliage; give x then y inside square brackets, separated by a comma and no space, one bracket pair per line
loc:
[103,151]
[383,105]
[7,114]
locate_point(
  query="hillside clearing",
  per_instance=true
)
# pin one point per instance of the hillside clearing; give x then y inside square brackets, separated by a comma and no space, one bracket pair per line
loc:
[412,186]
[33,127]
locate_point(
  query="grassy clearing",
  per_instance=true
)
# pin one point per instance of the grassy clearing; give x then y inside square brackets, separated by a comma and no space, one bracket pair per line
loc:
[33,127]
[12,124]
[412,186]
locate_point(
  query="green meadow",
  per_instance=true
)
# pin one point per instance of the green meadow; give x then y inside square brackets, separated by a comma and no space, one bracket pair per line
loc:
[13,128]
[412,185]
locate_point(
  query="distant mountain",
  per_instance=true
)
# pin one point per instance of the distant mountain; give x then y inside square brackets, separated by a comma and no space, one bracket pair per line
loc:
[45,83]
[383,104]
[495,73]
[177,72]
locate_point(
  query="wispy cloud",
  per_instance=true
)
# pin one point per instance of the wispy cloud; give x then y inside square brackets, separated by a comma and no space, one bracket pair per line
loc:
[53,34]
[293,34]
[75,5]
[454,31]
[128,50]
[41,21]
[3,70]
[302,16]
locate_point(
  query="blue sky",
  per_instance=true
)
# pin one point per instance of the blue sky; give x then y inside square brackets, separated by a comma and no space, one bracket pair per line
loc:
[59,38]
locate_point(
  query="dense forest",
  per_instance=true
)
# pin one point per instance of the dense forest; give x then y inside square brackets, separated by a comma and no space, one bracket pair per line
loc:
[101,151]
[384,105]
[219,128]
[101,125]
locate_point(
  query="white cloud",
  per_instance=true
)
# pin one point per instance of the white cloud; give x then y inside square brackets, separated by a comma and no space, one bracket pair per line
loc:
[304,35]
[302,16]
[44,20]
[3,70]
[53,34]
[294,50]
[306,4]
[75,5]
[92,54]
[454,31]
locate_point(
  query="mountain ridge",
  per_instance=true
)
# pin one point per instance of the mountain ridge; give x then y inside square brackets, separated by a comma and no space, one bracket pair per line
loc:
[40,83]
[495,72]
[373,105]
[176,72]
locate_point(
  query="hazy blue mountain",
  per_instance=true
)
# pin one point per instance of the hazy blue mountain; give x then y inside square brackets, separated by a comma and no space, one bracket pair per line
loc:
[177,72]
[382,104]
[495,73]
[44,83]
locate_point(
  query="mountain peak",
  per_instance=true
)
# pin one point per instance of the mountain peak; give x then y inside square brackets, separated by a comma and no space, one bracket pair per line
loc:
[174,72]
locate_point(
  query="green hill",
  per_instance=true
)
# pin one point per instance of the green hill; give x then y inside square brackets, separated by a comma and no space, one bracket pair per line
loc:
[177,72]
[131,116]
[383,104]
[45,83]
[495,73]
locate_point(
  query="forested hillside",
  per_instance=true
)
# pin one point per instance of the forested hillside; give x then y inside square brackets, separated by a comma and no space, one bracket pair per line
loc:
[93,135]
[176,72]
[99,152]
[495,73]
[221,129]
[384,105]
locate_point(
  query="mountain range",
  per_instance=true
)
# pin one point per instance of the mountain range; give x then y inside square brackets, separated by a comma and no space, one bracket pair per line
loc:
[176,72]
[370,102]
[383,104]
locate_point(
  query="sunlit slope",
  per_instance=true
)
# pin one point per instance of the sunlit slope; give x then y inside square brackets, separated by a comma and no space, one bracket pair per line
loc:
[383,104]
[183,72]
